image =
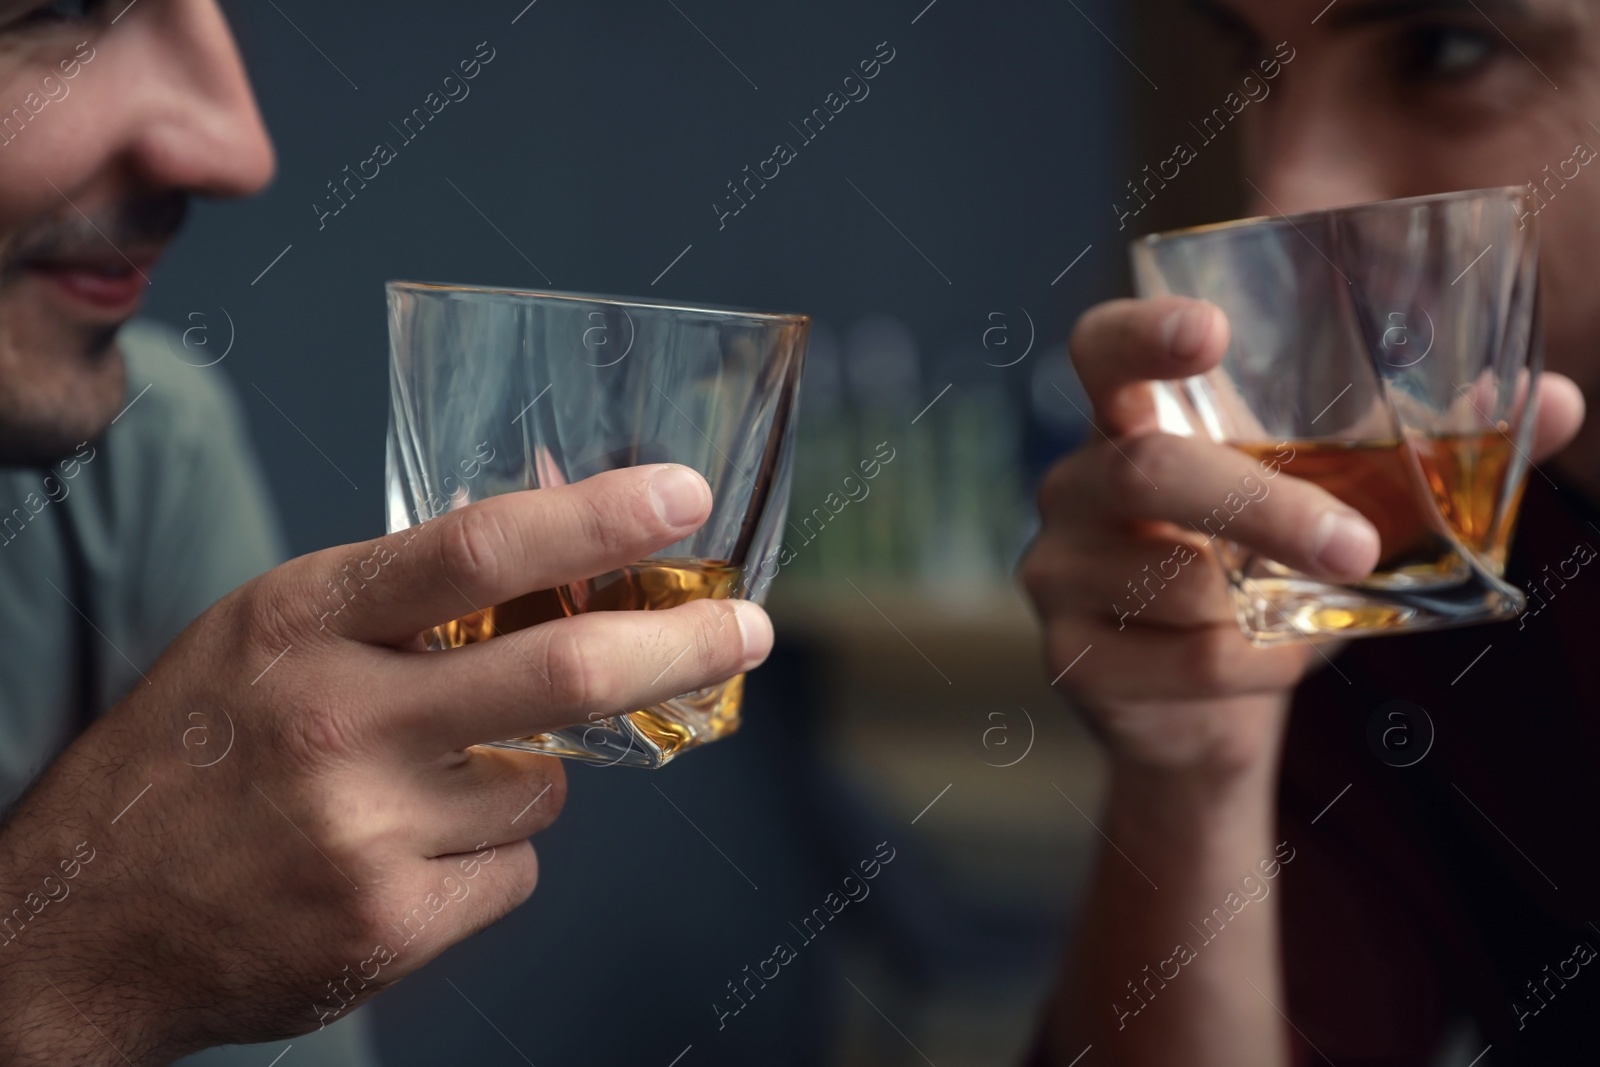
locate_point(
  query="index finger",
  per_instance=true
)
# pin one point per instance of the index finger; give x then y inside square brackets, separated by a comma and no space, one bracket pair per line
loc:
[1216,491]
[505,546]
[1119,347]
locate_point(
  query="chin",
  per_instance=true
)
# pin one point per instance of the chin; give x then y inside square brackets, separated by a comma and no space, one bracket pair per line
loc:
[53,398]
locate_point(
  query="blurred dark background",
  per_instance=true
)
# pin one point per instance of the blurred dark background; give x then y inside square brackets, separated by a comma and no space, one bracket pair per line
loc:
[929,230]
[594,146]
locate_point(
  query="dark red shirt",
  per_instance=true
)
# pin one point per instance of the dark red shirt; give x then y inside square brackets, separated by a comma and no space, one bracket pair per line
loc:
[1468,882]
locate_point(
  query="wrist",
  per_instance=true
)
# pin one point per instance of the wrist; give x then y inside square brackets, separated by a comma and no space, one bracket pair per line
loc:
[1193,796]
[1208,745]
[1181,813]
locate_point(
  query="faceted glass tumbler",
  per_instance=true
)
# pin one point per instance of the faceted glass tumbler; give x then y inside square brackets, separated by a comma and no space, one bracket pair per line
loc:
[1388,352]
[501,390]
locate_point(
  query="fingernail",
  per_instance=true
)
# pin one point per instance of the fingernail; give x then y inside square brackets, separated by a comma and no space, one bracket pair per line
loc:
[1345,543]
[679,495]
[1187,330]
[755,628]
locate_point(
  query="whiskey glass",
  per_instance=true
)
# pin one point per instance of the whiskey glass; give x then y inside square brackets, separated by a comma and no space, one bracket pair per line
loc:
[501,390]
[1389,353]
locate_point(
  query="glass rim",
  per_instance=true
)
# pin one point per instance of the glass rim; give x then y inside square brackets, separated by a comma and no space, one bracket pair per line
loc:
[1262,221]
[644,303]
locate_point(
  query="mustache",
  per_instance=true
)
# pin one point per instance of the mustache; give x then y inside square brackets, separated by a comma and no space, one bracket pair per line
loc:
[139,221]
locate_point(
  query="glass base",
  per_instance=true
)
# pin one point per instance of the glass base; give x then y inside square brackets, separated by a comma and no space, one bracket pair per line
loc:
[1276,610]
[649,737]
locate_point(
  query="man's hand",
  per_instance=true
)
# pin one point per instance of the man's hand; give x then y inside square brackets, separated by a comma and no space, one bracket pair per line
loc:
[331,829]
[1177,685]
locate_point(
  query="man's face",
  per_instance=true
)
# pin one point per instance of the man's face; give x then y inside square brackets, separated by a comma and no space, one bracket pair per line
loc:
[1392,98]
[111,115]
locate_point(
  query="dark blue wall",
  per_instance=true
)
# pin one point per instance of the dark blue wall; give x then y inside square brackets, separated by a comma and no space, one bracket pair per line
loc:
[596,143]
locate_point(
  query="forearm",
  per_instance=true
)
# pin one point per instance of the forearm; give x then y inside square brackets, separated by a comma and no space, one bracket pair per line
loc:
[48,1013]
[1176,952]
[44,1023]
[66,992]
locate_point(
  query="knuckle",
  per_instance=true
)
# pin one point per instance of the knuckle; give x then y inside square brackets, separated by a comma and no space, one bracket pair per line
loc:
[577,678]
[317,731]
[1274,669]
[392,908]
[1089,331]
[470,548]
[1106,328]
[1286,666]
[1139,461]
[1043,570]
[609,522]
[369,913]
[554,778]
[264,611]
[368,922]
[523,864]
[1208,660]
[507,881]
[718,645]
[1057,488]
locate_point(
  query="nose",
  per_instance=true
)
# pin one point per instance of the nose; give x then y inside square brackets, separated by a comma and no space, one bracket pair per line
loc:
[192,119]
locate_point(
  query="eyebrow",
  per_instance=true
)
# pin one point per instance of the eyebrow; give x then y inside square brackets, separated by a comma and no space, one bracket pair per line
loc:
[1394,10]
[1344,14]
[13,10]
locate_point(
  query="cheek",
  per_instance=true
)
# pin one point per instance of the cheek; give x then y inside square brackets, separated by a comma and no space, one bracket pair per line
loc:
[73,141]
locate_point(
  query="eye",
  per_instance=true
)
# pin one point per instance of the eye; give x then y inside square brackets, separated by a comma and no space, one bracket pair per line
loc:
[1442,53]
[59,11]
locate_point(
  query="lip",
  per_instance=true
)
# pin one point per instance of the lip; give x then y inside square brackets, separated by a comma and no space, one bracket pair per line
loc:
[107,286]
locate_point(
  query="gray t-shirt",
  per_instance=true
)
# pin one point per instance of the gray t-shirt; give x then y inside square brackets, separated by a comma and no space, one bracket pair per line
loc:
[105,557]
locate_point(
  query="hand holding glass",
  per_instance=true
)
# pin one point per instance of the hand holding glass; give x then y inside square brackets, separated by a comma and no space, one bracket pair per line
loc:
[499,390]
[1389,353]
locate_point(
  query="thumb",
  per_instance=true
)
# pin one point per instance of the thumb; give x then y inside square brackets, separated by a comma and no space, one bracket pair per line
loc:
[1560,414]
